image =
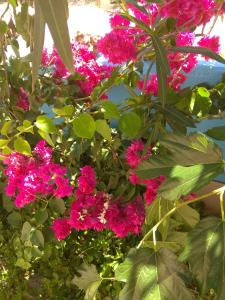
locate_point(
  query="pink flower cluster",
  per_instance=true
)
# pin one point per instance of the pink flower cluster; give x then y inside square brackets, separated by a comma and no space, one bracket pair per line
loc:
[189,13]
[36,175]
[180,63]
[22,100]
[85,63]
[97,210]
[134,157]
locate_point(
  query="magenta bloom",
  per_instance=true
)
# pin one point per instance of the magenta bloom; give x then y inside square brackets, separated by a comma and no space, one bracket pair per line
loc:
[61,228]
[33,176]
[212,43]
[117,46]
[22,100]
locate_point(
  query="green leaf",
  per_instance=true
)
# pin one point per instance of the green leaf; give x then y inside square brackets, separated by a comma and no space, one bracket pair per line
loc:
[162,67]
[22,146]
[103,128]
[58,205]
[13,3]
[199,50]
[203,92]
[217,133]
[188,162]
[88,281]
[184,180]
[3,27]
[151,276]
[7,203]
[111,110]
[46,137]
[65,111]
[38,41]
[187,215]
[84,126]
[55,15]
[3,143]
[14,219]
[23,264]
[26,127]
[130,124]
[37,238]
[6,127]
[41,216]
[205,252]
[25,233]
[45,124]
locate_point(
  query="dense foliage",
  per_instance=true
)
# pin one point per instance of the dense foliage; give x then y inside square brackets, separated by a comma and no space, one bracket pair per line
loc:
[98,198]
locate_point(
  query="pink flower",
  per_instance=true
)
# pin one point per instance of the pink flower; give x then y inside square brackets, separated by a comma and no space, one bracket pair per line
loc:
[131,217]
[133,153]
[117,46]
[151,85]
[87,180]
[61,228]
[190,13]
[22,100]
[212,43]
[31,176]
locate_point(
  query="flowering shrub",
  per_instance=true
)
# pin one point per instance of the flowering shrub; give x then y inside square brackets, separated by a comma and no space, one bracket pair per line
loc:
[84,180]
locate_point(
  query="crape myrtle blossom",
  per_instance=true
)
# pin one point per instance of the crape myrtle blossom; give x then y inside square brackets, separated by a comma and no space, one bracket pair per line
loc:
[31,177]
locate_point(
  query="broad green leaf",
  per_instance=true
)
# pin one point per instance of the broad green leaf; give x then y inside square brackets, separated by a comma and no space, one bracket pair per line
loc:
[14,219]
[23,264]
[203,92]
[38,40]
[188,162]
[199,50]
[205,252]
[187,215]
[130,124]
[3,143]
[46,137]
[45,124]
[88,281]
[151,276]
[182,181]
[65,111]
[58,205]
[55,15]
[26,127]
[7,203]
[22,146]
[41,216]
[6,127]
[154,212]
[111,111]
[26,230]
[103,128]
[37,238]
[84,126]
[217,133]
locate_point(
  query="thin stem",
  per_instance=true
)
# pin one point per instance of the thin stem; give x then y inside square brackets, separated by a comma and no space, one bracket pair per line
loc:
[221,205]
[215,192]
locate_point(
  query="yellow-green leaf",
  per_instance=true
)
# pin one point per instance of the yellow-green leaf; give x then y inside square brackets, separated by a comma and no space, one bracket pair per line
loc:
[45,124]
[22,146]
[103,128]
